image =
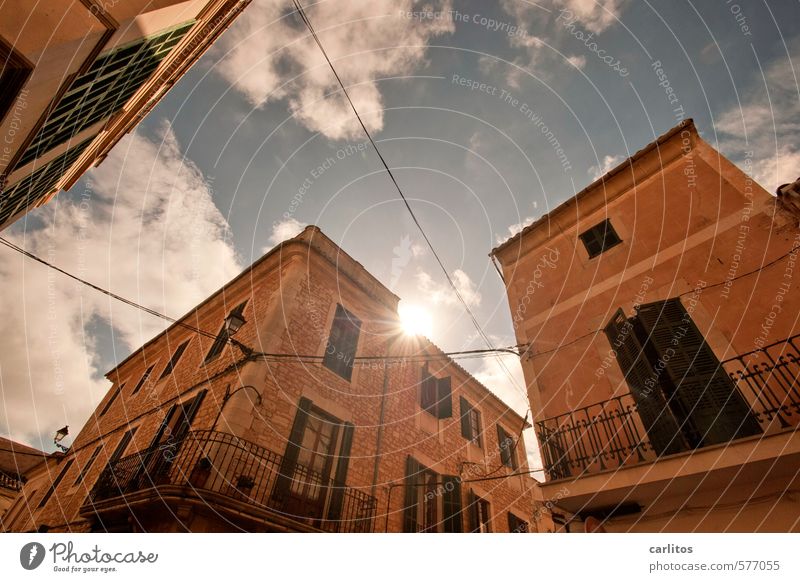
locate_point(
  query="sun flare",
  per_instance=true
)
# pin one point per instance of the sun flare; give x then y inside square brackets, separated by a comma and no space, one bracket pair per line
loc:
[415,320]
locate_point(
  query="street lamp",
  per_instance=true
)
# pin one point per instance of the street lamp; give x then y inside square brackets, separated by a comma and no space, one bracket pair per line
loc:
[60,434]
[234,323]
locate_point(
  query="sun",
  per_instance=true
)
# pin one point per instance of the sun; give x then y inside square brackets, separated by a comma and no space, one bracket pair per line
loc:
[415,320]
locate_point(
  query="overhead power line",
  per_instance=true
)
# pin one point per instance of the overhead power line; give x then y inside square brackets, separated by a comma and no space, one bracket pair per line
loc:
[303,358]
[450,281]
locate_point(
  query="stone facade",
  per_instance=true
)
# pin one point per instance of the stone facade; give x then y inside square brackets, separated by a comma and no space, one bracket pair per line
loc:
[686,225]
[251,408]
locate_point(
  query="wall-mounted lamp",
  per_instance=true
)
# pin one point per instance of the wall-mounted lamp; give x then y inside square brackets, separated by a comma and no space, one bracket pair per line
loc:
[60,434]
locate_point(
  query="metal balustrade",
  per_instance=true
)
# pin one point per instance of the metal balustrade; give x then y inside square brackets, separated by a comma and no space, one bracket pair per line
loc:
[610,434]
[209,461]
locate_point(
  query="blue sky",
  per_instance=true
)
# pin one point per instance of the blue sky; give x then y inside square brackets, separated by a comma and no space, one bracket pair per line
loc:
[255,141]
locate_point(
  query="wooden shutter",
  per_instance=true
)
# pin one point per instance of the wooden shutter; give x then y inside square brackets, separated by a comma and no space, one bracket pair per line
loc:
[188,411]
[452,503]
[412,495]
[340,478]
[286,475]
[342,343]
[472,510]
[651,402]
[516,525]
[506,443]
[428,390]
[466,431]
[444,398]
[711,408]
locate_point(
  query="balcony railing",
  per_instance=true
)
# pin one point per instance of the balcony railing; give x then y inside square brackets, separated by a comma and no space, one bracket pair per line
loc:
[10,482]
[221,463]
[610,434]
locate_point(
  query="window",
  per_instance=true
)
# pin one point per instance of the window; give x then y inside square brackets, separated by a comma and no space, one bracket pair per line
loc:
[479,515]
[115,392]
[432,501]
[600,238]
[470,423]
[683,395]
[317,455]
[122,446]
[55,484]
[342,342]
[103,90]
[37,185]
[222,337]
[143,379]
[517,525]
[507,448]
[436,396]
[87,466]
[174,360]
[14,72]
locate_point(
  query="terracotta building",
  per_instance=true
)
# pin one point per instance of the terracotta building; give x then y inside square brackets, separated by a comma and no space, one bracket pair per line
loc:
[77,76]
[19,464]
[660,306]
[360,428]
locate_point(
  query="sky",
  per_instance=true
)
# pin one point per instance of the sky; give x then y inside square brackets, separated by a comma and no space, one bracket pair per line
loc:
[489,115]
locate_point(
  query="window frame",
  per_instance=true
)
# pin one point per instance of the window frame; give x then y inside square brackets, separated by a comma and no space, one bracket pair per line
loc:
[173,361]
[508,455]
[341,361]
[145,377]
[222,336]
[600,238]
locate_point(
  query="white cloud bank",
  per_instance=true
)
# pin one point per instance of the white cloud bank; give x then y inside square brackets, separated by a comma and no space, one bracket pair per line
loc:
[146,228]
[443,293]
[268,56]
[767,124]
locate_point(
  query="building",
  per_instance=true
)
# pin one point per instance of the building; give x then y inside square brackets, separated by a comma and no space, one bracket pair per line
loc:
[77,76]
[19,464]
[361,428]
[659,306]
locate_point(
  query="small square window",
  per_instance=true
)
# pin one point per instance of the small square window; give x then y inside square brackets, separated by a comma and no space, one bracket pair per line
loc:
[600,238]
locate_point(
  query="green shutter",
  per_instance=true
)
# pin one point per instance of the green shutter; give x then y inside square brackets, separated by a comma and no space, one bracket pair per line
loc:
[711,408]
[466,432]
[428,389]
[340,479]
[410,506]
[472,509]
[444,398]
[452,503]
[286,475]
[662,428]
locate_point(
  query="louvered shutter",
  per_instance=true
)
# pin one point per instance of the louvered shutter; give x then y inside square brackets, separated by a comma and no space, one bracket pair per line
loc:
[444,398]
[428,389]
[472,510]
[714,410]
[452,504]
[505,447]
[411,495]
[466,431]
[284,481]
[657,418]
[340,479]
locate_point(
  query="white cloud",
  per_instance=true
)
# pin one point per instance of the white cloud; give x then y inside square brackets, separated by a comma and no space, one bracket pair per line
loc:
[577,61]
[268,56]
[147,228]
[442,293]
[608,164]
[767,124]
[513,229]
[596,15]
[284,230]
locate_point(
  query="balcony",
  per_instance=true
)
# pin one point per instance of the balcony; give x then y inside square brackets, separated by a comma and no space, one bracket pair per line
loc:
[611,434]
[10,482]
[220,469]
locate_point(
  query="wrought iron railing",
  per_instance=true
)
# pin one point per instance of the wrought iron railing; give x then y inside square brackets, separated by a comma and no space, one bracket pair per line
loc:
[10,482]
[610,434]
[209,461]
